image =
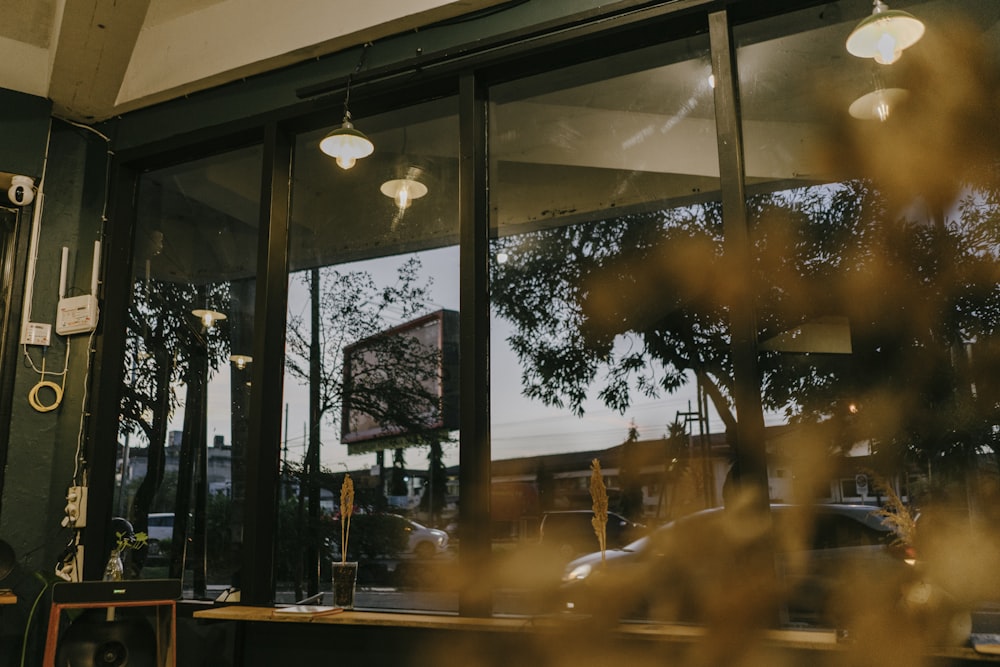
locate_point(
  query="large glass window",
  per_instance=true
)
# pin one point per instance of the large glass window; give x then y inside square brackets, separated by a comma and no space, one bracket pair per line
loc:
[371,364]
[872,210]
[604,195]
[183,432]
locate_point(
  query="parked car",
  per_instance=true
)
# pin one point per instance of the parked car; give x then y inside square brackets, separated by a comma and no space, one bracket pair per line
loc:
[389,535]
[160,526]
[828,558]
[572,533]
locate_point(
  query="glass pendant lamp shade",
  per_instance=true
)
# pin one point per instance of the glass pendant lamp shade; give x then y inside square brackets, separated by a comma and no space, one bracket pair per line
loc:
[208,317]
[241,360]
[403,191]
[346,144]
[878,104]
[885,34]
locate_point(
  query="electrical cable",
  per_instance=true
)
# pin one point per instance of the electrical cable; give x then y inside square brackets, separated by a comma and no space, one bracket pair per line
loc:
[31,615]
[83,410]
[33,399]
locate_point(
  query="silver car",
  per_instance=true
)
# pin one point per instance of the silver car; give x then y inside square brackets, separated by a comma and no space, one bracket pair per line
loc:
[827,558]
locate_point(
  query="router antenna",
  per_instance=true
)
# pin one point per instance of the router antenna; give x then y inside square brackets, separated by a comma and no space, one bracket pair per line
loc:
[62,272]
[96,268]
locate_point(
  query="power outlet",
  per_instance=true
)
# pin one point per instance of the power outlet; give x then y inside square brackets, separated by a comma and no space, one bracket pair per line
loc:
[76,507]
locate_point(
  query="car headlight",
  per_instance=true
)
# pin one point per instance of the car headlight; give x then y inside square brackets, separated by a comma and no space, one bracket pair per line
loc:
[581,571]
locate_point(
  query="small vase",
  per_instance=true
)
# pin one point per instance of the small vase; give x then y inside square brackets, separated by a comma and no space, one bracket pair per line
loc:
[114,570]
[345,575]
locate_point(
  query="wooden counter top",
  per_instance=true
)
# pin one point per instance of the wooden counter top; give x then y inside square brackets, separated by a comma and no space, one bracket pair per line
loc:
[7,597]
[818,638]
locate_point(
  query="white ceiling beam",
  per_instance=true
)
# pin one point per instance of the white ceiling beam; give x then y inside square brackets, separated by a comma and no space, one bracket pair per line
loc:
[95,43]
[227,40]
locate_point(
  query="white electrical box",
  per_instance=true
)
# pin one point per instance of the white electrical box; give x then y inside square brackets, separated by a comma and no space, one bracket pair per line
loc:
[37,334]
[77,314]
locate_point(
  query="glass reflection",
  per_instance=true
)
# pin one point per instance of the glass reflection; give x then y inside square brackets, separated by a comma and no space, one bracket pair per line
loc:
[183,429]
[608,340]
[371,366]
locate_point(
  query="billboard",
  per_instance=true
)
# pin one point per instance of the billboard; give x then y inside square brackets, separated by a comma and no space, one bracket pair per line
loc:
[401,385]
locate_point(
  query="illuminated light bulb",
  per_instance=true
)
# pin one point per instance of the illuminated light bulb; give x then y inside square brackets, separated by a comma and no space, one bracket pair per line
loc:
[403,191]
[888,52]
[346,162]
[711,81]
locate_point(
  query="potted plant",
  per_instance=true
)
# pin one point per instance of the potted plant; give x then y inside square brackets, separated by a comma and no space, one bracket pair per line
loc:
[114,569]
[345,573]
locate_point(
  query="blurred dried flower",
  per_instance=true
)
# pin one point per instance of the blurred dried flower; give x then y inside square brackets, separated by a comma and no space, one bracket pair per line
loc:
[599,496]
[894,512]
[346,510]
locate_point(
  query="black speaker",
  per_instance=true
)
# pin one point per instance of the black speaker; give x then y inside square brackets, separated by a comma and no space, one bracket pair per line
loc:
[111,592]
[93,641]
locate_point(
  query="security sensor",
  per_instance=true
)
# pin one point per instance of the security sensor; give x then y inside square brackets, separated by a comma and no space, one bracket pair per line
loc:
[21,190]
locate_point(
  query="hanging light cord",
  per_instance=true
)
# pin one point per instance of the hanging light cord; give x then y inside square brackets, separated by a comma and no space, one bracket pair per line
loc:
[347,94]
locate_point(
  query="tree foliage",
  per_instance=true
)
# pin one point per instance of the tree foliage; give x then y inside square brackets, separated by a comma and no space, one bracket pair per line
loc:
[638,305]
[391,386]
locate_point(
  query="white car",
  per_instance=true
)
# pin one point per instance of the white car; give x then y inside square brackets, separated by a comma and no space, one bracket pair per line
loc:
[385,535]
[160,526]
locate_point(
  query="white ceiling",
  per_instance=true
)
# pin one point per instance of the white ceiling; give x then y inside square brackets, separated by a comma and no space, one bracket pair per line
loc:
[99,58]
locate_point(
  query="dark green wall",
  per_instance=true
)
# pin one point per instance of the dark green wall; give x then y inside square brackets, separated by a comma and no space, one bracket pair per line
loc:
[42,445]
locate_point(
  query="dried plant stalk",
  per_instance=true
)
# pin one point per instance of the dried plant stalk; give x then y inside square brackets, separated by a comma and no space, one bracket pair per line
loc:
[599,496]
[895,512]
[346,510]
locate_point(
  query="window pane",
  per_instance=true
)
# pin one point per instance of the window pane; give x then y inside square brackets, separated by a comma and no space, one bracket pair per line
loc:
[871,202]
[371,364]
[186,386]
[605,200]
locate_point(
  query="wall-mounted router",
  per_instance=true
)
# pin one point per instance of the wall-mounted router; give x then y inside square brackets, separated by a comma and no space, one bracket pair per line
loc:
[78,314]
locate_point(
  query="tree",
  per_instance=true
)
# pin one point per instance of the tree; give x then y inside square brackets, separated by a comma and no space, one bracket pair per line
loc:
[166,348]
[353,307]
[435,492]
[348,307]
[629,476]
[636,303]
[397,483]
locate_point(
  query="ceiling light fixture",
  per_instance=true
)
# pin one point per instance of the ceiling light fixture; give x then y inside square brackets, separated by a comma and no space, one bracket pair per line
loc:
[878,104]
[241,360]
[208,317]
[885,34]
[403,191]
[346,143]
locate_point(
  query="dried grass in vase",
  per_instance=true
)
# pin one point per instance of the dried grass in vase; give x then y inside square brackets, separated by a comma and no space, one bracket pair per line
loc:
[346,510]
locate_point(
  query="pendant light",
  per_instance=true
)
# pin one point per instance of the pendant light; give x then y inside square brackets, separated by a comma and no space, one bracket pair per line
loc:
[241,360]
[885,34]
[878,104]
[403,190]
[208,317]
[346,143]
